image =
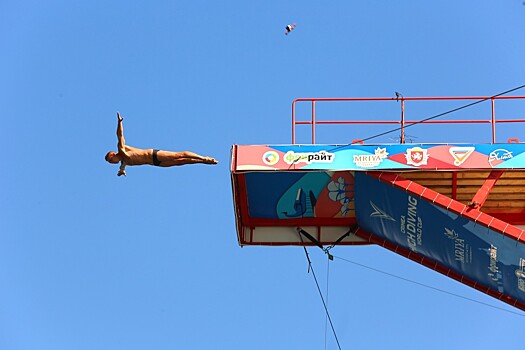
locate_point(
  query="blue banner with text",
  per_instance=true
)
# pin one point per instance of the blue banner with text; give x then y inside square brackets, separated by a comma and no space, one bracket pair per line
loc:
[472,250]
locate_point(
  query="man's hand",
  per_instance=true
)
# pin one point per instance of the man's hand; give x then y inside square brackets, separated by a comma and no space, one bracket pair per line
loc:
[121,172]
[120,135]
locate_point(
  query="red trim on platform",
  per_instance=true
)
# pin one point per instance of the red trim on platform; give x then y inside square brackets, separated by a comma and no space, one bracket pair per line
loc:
[517,218]
[233,163]
[454,185]
[296,222]
[236,201]
[305,243]
[242,199]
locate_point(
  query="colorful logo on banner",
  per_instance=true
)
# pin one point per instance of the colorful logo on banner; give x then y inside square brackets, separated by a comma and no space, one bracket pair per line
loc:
[520,273]
[416,156]
[292,157]
[371,160]
[498,156]
[462,250]
[270,158]
[494,271]
[460,154]
[379,213]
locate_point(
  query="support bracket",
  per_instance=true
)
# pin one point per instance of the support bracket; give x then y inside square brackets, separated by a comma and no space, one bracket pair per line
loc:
[481,196]
[311,238]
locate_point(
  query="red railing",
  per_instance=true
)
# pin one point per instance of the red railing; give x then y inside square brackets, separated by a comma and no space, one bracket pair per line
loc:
[403,122]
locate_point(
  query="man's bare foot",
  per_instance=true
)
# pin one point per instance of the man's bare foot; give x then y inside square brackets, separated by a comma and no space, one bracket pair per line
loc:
[210,160]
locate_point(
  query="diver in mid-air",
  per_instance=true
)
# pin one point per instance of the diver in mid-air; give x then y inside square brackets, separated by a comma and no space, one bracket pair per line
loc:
[128,155]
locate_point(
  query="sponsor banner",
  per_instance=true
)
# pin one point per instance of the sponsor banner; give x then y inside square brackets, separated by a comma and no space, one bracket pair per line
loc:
[472,250]
[285,195]
[381,157]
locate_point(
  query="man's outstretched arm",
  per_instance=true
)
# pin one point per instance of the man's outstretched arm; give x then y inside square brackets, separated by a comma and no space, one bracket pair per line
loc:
[122,169]
[120,135]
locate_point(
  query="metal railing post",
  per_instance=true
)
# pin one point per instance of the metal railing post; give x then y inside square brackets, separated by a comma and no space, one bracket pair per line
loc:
[493,121]
[293,122]
[313,122]
[402,139]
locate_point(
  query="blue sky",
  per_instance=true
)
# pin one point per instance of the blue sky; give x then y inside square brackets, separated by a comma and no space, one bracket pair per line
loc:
[89,260]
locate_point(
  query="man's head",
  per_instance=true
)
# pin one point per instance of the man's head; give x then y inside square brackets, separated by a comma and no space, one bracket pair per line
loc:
[112,157]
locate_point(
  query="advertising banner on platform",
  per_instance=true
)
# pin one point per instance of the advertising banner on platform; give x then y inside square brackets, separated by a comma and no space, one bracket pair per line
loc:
[380,157]
[292,195]
[455,242]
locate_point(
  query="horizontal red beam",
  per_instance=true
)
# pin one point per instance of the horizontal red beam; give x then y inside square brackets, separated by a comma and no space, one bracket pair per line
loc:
[435,98]
[455,121]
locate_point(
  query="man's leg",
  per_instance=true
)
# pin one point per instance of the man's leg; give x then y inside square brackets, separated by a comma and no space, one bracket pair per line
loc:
[168,158]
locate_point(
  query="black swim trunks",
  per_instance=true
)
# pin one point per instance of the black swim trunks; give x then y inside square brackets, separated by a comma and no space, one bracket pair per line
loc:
[156,161]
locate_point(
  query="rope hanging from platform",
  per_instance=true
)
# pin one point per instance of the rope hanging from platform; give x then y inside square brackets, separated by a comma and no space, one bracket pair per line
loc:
[310,268]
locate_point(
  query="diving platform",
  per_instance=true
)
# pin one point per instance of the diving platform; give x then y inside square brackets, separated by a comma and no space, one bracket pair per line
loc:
[457,208]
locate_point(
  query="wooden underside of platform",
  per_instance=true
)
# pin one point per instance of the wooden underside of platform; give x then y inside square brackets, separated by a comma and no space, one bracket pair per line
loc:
[505,200]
